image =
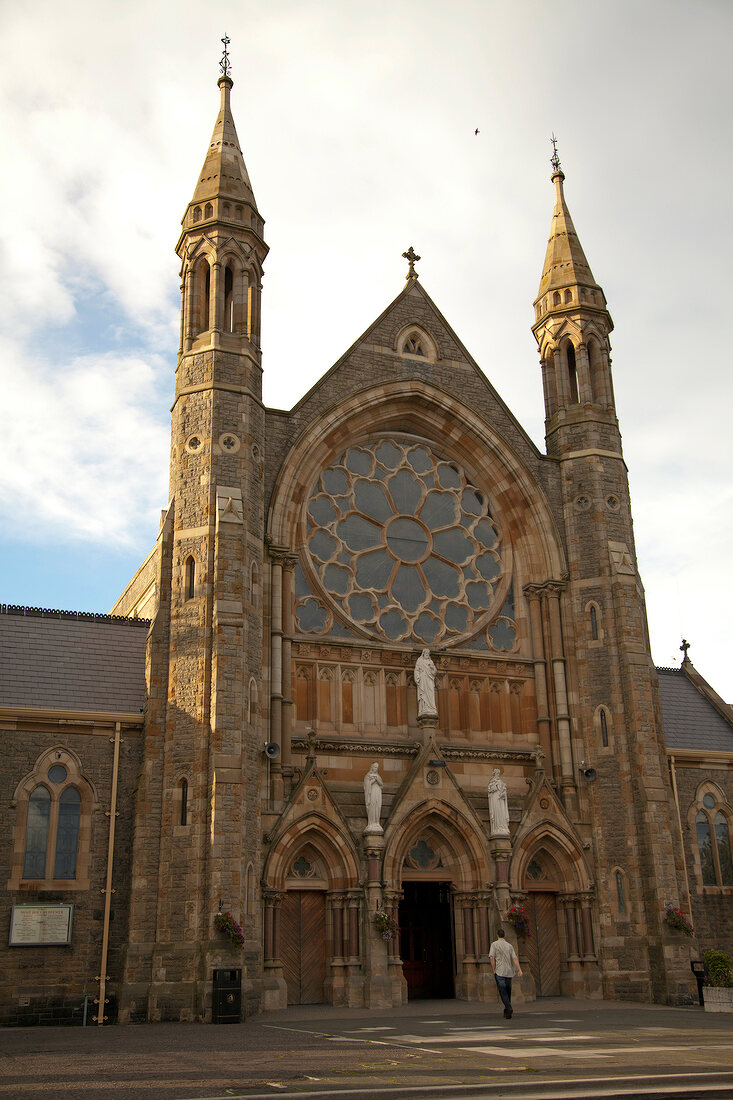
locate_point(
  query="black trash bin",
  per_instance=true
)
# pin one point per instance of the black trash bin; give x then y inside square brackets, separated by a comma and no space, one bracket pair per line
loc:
[226,1005]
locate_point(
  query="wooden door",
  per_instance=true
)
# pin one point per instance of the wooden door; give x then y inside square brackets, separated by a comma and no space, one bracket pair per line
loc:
[303,945]
[543,944]
[426,940]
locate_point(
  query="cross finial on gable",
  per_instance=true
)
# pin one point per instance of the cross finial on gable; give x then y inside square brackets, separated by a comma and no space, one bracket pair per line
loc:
[225,64]
[684,647]
[412,257]
[554,159]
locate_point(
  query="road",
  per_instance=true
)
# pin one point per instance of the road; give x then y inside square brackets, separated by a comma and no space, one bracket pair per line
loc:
[555,1048]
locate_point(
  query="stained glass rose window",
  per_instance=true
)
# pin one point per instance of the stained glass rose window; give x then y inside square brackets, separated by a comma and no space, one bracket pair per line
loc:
[403,544]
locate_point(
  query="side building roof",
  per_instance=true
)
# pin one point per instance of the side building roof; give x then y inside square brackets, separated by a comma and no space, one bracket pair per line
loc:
[695,717]
[67,660]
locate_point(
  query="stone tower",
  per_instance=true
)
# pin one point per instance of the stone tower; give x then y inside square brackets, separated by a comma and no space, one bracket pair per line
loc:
[197,825]
[615,695]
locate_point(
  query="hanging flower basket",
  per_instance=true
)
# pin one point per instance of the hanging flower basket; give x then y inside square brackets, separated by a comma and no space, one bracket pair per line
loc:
[519,919]
[386,925]
[675,918]
[226,924]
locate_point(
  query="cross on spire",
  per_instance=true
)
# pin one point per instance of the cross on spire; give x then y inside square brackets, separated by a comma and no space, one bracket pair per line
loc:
[225,64]
[412,257]
[684,647]
[554,159]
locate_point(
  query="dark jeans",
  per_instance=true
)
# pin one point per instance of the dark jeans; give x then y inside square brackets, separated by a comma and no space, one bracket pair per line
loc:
[504,985]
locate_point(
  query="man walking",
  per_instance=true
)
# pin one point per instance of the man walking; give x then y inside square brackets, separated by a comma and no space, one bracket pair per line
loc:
[505,965]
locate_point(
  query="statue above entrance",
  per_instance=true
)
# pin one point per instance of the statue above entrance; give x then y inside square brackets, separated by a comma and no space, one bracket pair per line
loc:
[373,798]
[498,805]
[425,672]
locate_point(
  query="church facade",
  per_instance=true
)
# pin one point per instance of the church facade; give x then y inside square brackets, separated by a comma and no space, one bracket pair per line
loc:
[295,765]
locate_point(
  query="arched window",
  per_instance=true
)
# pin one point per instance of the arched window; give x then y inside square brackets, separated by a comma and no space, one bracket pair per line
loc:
[249,891]
[572,373]
[712,832]
[190,581]
[208,210]
[52,828]
[568,296]
[620,893]
[252,708]
[202,292]
[413,347]
[556,300]
[197,214]
[593,623]
[594,371]
[228,300]
[184,801]
[604,727]
[254,578]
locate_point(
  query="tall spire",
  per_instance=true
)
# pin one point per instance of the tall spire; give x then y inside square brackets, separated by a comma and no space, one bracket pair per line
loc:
[224,174]
[572,325]
[565,263]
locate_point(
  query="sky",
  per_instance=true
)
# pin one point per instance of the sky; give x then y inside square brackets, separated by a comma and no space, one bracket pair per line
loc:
[357,125]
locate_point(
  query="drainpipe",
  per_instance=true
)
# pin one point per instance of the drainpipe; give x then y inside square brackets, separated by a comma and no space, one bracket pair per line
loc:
[103,976]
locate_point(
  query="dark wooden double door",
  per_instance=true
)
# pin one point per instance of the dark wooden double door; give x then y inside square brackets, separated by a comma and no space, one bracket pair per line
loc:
[426,940]
[542,946]
[303,945]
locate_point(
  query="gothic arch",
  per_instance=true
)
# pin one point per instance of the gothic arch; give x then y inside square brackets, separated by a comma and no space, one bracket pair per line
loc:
[318,832]
[42,778]
[457,835]
[562,848]
[422,338]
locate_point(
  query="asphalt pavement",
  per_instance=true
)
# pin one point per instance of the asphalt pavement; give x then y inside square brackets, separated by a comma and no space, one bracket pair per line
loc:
[550,1049]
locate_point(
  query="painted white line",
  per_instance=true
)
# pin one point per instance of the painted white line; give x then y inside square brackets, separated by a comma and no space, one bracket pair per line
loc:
[543,1052]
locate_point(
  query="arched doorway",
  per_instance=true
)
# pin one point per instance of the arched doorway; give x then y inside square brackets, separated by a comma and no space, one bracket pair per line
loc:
[554,885]
[433,863]
[312,916]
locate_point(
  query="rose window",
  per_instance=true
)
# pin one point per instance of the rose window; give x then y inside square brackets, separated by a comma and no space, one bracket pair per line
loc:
[404,545]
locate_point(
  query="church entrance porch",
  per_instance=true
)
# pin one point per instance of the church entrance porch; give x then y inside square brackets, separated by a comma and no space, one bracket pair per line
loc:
[303,945]
[426,940]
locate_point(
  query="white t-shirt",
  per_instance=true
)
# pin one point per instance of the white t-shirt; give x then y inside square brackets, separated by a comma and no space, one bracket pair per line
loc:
[504,955]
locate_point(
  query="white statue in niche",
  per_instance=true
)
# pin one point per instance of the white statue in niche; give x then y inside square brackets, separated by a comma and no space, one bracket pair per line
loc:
[498,805]
[373,798]
[425,672]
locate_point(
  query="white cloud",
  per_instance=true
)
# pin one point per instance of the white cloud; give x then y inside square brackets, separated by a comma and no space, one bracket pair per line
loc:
[357,126]
[86,457]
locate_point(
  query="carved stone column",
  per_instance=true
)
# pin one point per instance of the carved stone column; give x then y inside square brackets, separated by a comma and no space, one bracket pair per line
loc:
[532,592]
[569,903]
[377,984]
[569,792]
[586,915]
[216,298]
[276,667]
[288,571]
[275,989]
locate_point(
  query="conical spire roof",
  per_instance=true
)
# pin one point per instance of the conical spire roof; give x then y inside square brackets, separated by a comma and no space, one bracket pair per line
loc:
[565,262]
[224,174]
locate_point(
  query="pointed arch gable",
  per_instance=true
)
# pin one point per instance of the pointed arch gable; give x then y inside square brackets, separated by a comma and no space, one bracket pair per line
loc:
[433,414]
[560,845]
[470,853]
[318,831]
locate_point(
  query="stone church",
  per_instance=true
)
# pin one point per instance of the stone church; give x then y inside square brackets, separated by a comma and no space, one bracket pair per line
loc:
[249,731]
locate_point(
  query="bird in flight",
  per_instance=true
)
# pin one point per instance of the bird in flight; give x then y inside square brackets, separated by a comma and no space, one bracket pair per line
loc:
[475,131]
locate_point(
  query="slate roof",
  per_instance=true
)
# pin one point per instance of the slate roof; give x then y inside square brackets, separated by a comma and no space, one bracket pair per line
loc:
[71,661]
[691,720]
